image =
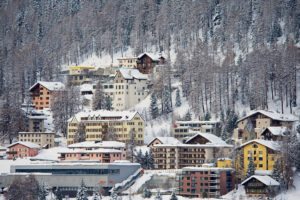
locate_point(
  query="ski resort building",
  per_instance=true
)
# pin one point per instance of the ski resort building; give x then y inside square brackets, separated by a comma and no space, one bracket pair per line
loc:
[68,176]
[42,93]
[103,125]
[199,149]
[206,182]
[251,126]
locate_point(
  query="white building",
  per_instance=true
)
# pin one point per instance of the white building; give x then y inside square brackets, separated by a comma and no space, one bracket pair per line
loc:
[130,88]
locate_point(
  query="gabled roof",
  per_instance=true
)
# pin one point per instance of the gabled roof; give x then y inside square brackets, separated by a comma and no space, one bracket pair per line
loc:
[132,73]
[27,144]
[52,86]
[276,130]
[166,140]
[213,139]
[270,144]
[267,180]
[94,144]
[154,57]
[124,115]
[91,151]
[272,115]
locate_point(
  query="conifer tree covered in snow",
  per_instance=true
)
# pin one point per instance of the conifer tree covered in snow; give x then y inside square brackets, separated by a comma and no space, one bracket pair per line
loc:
[250,168]
[58,194]
[173,196]
[153,106]
[43,192]
[276,174]
[108,103]
[96,196]
[207,116]
[98,97]
[158,195]
[82,192]
[188,116]
[178,99]
[166,100]
[146,193]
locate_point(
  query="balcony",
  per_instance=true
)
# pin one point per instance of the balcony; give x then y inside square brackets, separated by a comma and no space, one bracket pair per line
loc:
[214,175]
[214,181]
[214,186]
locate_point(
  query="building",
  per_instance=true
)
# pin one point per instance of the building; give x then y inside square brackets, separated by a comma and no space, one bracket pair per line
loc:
[42,93]
[68,176]
[103,125]
[264,154]
[22,150]
[224,163]
[199,149]
[260,187]
[275,133]
[2,152]
[251,126]
[43,139]
[101,155]
[80,75]
[127,62]
[163,140]
[146,62]
[130,87]
[94,145]
[206,182]
[185,129]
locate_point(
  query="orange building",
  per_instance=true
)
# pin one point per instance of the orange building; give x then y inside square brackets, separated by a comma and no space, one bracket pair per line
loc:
[22,149]
[101,155]
[42,93]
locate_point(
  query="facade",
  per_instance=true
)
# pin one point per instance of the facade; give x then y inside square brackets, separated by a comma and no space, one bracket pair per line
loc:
[94,145]
[199,149]
[42,93]
[264,155]
[22,150]
[68,176]
[101,155]
[275,133]
[206,182]
[43,139]
[224,163]
[130,87]
[185,129]
[260,187]
[105,125]
[127,62]
[251,126]
[147,61]
[80,75]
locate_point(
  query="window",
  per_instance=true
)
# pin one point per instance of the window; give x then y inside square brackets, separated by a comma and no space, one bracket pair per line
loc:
[260,165]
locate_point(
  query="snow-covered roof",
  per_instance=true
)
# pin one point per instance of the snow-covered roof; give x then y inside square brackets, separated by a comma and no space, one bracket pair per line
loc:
[91,151]
[272,115]
[206,168]
[154,57]
[132,73]
[270,144]
[53,86]
[276,130]
[94,144]
[122,115]
[86,87]
[267,180]
[2,148]
[167,140]
[27,144]
[197,122]
[213,139]
[207,145]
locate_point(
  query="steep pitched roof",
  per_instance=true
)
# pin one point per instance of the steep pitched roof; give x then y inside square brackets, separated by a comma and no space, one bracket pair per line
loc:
[272,115]
[94,144]
[154,57]
[27,144]
[270,144]
[276,130]
[267,180]
[132,73]
[53,86]
[167,140]
[213,139]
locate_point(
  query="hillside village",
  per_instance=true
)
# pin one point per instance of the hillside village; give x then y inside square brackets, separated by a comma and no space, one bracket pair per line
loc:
[99,147]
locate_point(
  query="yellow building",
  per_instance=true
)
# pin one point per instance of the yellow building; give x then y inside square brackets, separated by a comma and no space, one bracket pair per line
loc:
[264,153]
[79,75]
[128,62]
[106,125]
[224,163]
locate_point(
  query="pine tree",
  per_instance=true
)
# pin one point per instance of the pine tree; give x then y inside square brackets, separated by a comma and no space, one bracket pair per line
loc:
[82,192]
[222,117]
[158,196]
[224,134]
[166,100]
[251,168]
[276,171]
[145,160]
[108,103]
[58,194]
[173,196]
[43,192]
[188,116]
[146,193]
[98,97]
[153,106]
[178,100]
[207,116]
[151,160]
[96,196]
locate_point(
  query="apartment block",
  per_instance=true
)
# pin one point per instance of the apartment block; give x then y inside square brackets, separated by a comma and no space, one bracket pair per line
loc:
[22,150]
[80,75]
[43,139]
[103,125]
[127,62]
[206,182]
